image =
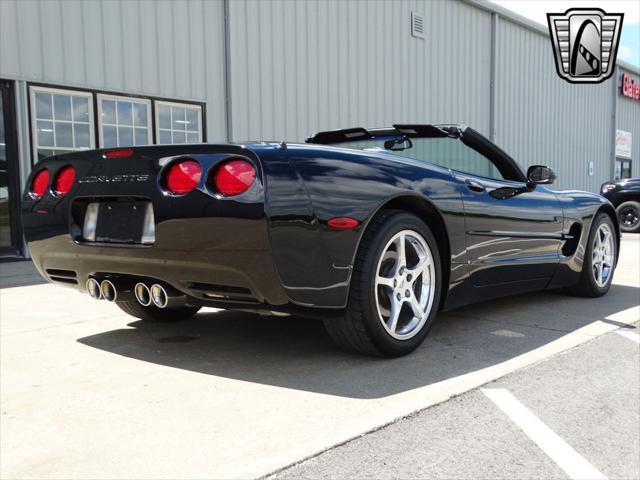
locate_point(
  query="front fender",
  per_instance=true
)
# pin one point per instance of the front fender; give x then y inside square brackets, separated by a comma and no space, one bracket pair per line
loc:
[579,209]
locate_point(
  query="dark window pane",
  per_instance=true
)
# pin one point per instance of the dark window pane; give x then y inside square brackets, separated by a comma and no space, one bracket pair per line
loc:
[125,113]
[109,112]
[62,107]
[43,105]
[109,138]
[140,114]
[165,137]
[125,136]
[141,136]
[164,116]
[45,133]
[64,137]
[80,109]
[81,132]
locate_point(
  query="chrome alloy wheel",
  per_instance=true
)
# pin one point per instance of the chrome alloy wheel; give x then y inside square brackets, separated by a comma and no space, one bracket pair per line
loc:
[405,284]
[603,255]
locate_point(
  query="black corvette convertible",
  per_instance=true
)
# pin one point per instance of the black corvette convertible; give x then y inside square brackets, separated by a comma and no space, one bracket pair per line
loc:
[374,231]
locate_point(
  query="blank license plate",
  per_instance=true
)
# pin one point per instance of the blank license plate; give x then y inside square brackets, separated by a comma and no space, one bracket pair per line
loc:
[119,222]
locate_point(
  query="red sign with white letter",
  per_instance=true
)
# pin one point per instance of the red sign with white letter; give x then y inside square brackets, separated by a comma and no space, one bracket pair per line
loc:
[629,87]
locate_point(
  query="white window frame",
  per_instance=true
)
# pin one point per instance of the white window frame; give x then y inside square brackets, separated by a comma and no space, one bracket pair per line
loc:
[146,101]
[33,89]
[176,104]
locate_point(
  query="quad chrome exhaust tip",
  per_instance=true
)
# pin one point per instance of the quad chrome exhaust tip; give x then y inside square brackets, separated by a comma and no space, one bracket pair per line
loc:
[108,291]
[166,297]
[159,296]
[93,289]
[142,294]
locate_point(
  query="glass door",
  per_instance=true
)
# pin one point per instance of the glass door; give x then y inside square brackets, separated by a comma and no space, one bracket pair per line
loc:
[10,227]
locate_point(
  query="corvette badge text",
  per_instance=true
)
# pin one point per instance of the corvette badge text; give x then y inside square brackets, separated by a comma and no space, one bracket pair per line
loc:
[114,178]
[585,43]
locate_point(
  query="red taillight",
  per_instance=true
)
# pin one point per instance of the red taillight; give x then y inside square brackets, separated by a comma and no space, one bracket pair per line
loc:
[234,177]
[183,176]
[121,153]
[40,183]
[64,180]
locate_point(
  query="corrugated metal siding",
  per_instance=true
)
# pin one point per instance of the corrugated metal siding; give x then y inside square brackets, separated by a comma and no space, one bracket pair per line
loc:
[542,119]
[628,119]
[299,67]
[169,49]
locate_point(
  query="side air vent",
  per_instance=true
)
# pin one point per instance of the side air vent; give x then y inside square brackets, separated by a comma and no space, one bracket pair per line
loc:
[417,25]
[571,244]
[222,292]
[54,272]
[62,276]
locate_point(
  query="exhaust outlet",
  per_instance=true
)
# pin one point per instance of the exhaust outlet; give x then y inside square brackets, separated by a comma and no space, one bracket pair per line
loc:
[93,289]
[142,294]
[166,297]
[108,290]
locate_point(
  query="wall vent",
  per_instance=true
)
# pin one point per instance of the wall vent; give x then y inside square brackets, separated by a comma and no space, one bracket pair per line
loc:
[417,25]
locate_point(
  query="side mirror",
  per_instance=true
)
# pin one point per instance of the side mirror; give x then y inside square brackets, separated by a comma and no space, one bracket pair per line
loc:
[540,175]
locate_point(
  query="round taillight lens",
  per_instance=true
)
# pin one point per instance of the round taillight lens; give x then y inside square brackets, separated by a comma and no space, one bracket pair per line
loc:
[234,177]
[40,183]
[183,176]
[64,180]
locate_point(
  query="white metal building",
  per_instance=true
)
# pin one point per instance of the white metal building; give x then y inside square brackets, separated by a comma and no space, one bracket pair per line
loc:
[78,74]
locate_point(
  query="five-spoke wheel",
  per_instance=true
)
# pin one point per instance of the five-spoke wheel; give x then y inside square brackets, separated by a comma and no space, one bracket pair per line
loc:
[599,261]
[395,288]
[404,284]
[603,254]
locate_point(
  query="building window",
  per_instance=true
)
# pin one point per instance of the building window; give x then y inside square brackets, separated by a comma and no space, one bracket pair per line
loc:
[62,121]
[178,123]
[623,169]
[124,121]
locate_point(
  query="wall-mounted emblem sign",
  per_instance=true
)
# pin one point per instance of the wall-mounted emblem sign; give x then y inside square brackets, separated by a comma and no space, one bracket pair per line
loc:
[585,43]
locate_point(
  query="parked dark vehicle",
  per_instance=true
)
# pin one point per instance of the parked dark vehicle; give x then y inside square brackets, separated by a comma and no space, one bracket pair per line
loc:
[625,196]
[373,231]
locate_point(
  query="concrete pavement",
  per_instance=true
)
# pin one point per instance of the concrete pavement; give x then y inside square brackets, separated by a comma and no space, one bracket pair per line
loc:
[88,392]
[589,396]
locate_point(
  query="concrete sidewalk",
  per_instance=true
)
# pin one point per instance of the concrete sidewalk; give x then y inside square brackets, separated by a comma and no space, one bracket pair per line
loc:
[590,396]
[88,392]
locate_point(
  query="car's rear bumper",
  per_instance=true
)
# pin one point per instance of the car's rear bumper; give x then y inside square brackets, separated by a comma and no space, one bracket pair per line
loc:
[205,258]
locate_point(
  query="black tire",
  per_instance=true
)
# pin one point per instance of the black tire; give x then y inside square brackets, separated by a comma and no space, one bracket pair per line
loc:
[587,286]
[155,314]
[629,216]
[360,330]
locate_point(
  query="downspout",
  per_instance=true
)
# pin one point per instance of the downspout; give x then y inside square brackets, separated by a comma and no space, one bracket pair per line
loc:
[614,120]
[493,76]
[227,71]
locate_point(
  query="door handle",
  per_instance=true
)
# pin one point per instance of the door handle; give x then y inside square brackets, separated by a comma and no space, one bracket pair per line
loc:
[474,186]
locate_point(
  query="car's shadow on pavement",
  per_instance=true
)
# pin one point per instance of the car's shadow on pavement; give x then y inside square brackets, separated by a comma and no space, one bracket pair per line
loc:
[296,353]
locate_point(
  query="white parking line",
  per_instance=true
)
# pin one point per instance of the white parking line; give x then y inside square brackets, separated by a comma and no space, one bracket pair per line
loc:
[630,335]
[574,464]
